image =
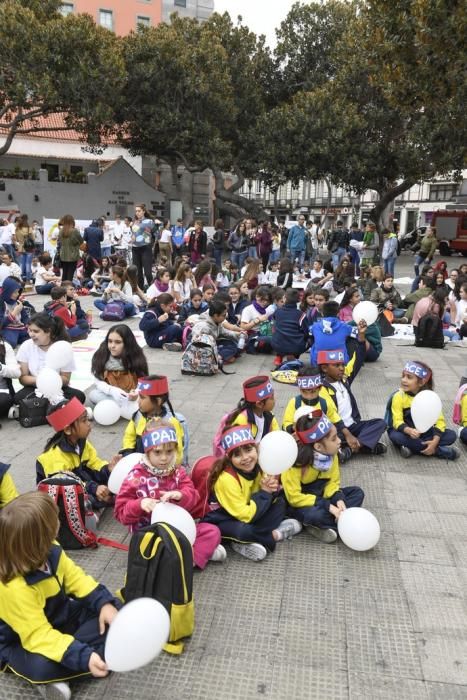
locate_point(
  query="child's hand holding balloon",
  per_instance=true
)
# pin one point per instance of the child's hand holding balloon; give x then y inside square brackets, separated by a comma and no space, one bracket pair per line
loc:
[148,504]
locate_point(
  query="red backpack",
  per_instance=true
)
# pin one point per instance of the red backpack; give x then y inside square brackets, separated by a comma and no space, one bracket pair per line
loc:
[200,475]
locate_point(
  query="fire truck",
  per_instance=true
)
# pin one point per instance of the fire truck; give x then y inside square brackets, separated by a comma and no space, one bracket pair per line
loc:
[451,231]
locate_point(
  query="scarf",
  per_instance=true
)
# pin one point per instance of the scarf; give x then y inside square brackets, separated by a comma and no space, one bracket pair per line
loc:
[162,286]
[322,462]
[260,309]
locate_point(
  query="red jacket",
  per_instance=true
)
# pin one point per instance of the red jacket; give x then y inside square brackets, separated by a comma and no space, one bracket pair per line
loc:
[64,313]
[140,483]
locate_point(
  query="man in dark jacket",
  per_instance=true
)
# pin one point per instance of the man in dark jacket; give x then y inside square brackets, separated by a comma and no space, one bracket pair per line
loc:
[93,237]
[338,243]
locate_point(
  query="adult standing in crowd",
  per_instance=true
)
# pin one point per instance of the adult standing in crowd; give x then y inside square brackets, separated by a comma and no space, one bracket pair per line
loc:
[218,242]
[165,241]
[25,246]
[69,242]
[427,249]
[296,241]
[197,243]
[93,237]
[370,248]
[389,252]
[178,238]
[7,235]
[265,243]
[338,243]
[238,244]
[142,231]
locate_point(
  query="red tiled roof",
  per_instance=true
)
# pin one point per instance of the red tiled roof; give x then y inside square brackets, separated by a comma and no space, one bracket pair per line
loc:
[49,126]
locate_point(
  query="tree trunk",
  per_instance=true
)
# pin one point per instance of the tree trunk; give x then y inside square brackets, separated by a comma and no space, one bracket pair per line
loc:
[381,214]
[235,205]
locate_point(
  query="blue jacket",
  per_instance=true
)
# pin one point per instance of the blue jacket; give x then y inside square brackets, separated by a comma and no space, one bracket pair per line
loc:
[297,237]
[233,313]
[152,327]
[188,309]
[93,236]
[9,287]
[290,330]
[330,334]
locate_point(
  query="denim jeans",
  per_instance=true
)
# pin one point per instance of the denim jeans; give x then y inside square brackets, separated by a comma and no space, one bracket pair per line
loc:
[418,261]
[252,253]
[238,258]
[275,255]
[389,264]
[106,251]
[336,257]
[217,253]
[297,254]
[26,260]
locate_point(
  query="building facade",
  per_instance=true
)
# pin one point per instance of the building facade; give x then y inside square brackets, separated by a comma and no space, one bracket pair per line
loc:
[120,16]
[198,9]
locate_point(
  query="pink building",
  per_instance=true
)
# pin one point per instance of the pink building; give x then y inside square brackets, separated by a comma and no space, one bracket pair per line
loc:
[120,16]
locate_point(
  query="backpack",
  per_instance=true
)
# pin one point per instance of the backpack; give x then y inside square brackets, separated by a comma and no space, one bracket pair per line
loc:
[201,357]
[74,510]
[28,244]
[199,475]
[114,311]
[388,410]
[429,332]
[322,403]
[160,566]
[186,335]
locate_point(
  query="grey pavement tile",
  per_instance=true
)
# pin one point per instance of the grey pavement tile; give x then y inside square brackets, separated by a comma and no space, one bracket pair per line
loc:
[425,579]
[366,572]
[444,658]
[372,605]
[452,503]
[424,549]
[438,612]
[453,525]
[446,691]
[415,522]
[387,648]
[363,686]
[317,642]
[459,548]
[216,677]
[302,682]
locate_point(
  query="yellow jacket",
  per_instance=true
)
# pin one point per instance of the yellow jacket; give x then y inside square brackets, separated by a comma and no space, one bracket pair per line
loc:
[327,485]
[329,408]
[247,417]
[132,438]
[81,459]
[8,489]
[240,496]
[464,410]
[35,606]
[400,415]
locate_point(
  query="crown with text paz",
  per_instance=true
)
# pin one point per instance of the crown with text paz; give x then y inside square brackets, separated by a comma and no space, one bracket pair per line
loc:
[162,435]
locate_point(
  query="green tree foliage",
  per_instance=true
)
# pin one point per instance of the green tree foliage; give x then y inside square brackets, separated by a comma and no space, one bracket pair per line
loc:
[55,64]
[390,116]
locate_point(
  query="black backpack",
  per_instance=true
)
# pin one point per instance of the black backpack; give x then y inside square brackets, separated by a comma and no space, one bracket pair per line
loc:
[160,566]
[429,332]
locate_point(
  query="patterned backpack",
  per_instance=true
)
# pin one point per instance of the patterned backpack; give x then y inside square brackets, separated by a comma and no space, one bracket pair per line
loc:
[201,357]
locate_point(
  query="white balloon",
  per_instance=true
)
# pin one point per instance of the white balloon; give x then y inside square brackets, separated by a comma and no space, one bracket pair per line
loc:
[106,412]
[425,410]
[122,469]
[59,355]
[49,382]
[358,529]
[365,311]
[178,517]
[278,452]
[137,635]
[302,411]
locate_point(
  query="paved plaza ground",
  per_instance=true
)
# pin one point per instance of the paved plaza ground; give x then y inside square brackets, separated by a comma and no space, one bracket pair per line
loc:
[312,620]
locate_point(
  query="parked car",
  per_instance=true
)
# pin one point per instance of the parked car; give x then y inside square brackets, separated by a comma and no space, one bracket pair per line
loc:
[408,238]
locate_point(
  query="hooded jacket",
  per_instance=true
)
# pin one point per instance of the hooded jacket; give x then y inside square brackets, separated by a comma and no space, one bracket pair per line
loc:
[328,334]
[9,287]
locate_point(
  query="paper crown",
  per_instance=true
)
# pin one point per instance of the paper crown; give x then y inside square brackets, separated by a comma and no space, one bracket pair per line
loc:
[318,430]
[311,381]
[330,357]
[160,435]
[260,392]
[236,436]
[66,415]
[153,387]
[417,369]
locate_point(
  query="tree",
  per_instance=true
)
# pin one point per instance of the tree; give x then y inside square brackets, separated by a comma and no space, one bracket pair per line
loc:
[193,97]
[388,118]
[55,64]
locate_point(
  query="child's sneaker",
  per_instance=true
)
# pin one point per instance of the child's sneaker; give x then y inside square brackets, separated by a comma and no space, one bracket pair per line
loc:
[277,361]
[250,550]
[288,528]
[406,452]
[345,453]
[326,535]
[172,347]
[450,453]
[219,554]
[54,691]
[379,449]
[13,413]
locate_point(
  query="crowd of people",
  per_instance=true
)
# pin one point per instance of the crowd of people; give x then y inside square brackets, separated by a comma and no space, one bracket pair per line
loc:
[256,289]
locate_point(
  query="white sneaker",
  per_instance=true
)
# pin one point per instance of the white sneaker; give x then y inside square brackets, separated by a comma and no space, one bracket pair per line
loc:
[250,550]
[54,691]
[219,554]
[288,528]
[326,534]
[13,413]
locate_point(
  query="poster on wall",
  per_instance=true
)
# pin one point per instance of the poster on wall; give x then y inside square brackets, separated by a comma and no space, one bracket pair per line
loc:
[50,228]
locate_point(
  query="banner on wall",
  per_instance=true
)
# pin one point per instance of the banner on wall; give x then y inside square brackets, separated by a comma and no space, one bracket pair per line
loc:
[50,228]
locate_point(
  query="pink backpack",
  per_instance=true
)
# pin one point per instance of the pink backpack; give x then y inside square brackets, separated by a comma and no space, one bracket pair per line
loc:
[457,412]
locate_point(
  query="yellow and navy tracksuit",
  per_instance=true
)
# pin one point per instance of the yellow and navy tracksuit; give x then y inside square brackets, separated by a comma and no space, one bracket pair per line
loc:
[323,402]
[132,438]
[48,621]
[309,493]
[463,432]
[399,417]
[245,512]
[7,486]
[247,417]
[81,459]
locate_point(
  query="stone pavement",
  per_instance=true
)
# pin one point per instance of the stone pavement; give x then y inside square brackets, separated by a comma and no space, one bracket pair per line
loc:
[312,620]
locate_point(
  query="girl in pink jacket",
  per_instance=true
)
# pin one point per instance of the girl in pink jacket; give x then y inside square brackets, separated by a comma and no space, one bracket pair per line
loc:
[158,479]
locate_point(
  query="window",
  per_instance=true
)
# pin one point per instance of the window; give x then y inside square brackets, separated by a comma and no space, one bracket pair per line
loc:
[180,3]
[143,21]
[106,19]
[443,193]
[66,8]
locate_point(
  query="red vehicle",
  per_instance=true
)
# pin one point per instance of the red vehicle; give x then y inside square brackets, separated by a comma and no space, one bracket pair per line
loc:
[451,231]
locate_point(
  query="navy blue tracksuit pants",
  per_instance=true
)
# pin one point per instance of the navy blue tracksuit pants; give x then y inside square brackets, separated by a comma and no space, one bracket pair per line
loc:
[319,515]
[257,531]
[367,432]
[416,445]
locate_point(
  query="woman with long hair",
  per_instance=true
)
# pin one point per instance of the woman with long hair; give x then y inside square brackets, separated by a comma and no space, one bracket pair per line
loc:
[24,238]
[69,242]
[142,230]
